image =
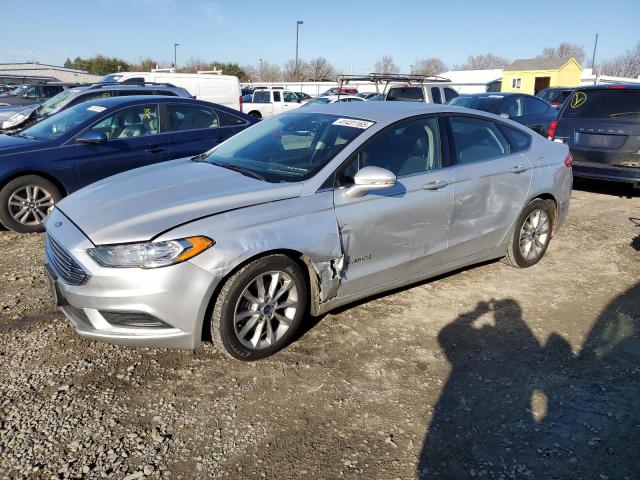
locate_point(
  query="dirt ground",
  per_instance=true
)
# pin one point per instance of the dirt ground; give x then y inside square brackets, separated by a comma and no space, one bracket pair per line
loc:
[491,372]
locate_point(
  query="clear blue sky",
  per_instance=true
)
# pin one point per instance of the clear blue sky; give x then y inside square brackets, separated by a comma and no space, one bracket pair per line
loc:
[351,34]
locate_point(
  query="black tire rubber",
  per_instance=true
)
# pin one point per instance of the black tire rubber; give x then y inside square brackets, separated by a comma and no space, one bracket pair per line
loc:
[514,257]
[223,334]
[12,186]
[255,114]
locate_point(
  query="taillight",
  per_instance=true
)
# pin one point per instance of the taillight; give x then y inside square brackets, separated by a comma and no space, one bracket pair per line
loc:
[568,160]
[552,129]
[616,87]
[240,102]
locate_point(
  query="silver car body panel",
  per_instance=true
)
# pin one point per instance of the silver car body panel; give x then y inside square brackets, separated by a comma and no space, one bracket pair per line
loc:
[353,247]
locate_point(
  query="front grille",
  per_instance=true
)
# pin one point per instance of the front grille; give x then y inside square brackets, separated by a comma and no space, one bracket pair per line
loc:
[64,264]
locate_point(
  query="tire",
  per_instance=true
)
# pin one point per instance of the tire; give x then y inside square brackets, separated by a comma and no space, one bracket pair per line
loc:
[19,189]
[244,335]
[256,114]
[529,233]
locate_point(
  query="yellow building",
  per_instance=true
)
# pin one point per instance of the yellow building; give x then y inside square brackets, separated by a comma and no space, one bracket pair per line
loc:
[535,74]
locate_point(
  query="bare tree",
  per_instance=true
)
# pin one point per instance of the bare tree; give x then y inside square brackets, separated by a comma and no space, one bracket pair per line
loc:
[625,65]
[271,72]
[564,50]
[293,72]
[386,65]
[253,75]
[483,62]
[144,65]
[429,66]
[320,69]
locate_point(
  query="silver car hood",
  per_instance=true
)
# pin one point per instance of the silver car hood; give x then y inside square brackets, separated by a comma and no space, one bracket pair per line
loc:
[140,204]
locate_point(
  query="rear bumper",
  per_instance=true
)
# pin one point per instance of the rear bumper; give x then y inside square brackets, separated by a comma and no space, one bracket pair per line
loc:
[606,172]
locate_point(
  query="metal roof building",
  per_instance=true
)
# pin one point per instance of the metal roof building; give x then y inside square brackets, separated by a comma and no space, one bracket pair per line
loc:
[16,73]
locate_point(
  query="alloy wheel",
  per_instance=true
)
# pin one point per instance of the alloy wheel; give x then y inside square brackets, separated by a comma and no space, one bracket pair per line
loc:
[534,235]
[29,205]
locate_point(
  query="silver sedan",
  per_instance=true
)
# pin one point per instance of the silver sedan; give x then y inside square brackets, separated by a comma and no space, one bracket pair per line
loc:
[298,215]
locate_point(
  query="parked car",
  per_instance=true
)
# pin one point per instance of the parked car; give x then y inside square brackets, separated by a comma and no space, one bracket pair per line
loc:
[266,103]
[367,95]
[340,91]
[421,92]
[601,126]
[303,212]
[99,138]
[19,118]
[13,90]
[6,89]
[221,89]
[34,93]
[525,109]
[555,96]
[323,100]
[304,97]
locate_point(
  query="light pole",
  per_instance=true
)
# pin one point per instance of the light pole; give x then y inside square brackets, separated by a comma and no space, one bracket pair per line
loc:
[298,23]
[260,69]
[175,57]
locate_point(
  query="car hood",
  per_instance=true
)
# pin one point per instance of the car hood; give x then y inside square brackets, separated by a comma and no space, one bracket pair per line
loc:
[140,204]
[10,144]
[7,112]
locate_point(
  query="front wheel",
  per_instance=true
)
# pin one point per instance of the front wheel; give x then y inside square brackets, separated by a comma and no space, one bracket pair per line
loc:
[26,201]
[531,235]
[259,308]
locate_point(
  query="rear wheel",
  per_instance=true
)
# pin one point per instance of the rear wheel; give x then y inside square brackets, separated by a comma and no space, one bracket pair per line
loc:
[255,113]
[26,201]
[259,308]
[531,235]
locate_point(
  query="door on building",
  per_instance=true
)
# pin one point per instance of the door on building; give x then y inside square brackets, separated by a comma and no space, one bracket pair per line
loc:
[541,83]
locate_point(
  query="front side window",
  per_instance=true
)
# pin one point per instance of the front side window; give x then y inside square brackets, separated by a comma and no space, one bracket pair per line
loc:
[408,149]
[477,140]
[288,148]
[33,92]
[190,117]
[91,96]
[435,95]
[50,91]
[137,121]
[449,94]
[290,97]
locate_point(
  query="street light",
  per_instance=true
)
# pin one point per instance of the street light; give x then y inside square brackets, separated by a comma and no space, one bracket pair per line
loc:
[298,23]
[260,69]
[175,57]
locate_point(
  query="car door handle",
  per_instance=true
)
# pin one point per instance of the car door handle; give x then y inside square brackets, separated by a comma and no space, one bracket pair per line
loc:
[156,149]
[518,169]
[437,185]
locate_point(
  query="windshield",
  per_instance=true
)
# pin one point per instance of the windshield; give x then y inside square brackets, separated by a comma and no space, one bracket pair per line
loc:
[55,126]
[477,103]
[114,77]
[288,148]
[18,90]
[318,101]
[405,94]
[605,103]
[553,95]
[52,105]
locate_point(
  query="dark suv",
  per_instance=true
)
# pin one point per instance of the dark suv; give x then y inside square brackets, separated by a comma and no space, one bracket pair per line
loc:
[555,96]
[33,93]
[15,119]
[601,125]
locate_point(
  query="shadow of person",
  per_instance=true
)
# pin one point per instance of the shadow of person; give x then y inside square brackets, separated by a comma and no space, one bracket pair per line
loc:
[512,408]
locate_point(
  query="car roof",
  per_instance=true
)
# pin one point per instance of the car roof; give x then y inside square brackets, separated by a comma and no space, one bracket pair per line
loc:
[385,112]
[496,95]
[611,86]
[134,99]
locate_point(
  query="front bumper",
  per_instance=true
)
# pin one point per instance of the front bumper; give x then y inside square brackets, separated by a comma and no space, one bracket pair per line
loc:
[178,295]
[606,172]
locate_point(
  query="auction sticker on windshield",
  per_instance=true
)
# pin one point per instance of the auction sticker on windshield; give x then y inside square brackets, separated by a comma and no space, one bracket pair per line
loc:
[350,122]
[96,108]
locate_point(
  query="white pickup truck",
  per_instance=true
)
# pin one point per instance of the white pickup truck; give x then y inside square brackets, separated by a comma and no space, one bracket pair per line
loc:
[267,103]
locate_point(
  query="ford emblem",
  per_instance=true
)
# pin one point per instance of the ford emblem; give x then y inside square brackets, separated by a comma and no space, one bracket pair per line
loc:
[57,224]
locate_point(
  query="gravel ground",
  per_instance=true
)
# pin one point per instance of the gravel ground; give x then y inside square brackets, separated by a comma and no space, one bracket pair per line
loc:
[491,372]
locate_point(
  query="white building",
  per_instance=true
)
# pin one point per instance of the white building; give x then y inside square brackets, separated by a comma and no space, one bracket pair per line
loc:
[16,73]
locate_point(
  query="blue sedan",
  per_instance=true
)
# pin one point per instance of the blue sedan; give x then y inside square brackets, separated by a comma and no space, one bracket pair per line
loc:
[97,139]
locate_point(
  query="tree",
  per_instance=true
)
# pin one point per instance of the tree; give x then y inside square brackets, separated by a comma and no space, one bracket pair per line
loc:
[320,69]
[386,64]
[564,50]
[271,72]
[252,73]
[144,65]
[625,65]
[68,63]
[235,70]
[100,64]
[293,72]
[483,62]
[429,66]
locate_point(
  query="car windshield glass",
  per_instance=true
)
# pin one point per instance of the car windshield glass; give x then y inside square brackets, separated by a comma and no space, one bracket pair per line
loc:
[318,101]
[605,103]
[110,78]
[18,90]
[405,94]
[288,148]
[57,125]
[477,103]
[52,105]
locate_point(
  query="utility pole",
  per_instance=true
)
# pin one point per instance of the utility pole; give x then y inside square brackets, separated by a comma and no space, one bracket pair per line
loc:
[175,56]
[298,23]
[593,58]
[260,69]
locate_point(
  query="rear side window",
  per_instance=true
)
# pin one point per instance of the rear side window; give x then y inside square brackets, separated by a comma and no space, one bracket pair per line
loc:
[90,96]
[167,93]
[124,93]
[405,94]
[609,103]
[276,96]
[261,96]
[190,117]
[449,94]
[228,120]
[519,141]
[477,140]
[435,95]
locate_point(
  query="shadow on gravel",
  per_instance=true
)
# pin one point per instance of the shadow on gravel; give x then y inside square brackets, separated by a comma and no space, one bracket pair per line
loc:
[635,243]
[606,188]
[513,408]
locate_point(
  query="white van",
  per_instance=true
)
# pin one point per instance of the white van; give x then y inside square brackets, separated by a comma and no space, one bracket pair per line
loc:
[220,89]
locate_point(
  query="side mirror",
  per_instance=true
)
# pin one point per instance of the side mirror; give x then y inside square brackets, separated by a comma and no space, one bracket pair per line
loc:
[504,115]
[92,137]
[370,178]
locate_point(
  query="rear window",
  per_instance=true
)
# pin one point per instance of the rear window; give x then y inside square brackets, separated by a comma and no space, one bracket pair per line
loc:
[477,103]
[607,103]
[405,94]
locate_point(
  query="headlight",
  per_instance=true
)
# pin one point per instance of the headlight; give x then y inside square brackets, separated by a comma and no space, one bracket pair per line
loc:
[149,254]
[14,120]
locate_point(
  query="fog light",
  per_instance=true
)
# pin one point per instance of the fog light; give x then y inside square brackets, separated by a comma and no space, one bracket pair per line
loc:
[133,320]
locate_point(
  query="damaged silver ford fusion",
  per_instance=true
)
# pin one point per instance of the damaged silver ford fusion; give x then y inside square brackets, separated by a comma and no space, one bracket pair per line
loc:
[297,215]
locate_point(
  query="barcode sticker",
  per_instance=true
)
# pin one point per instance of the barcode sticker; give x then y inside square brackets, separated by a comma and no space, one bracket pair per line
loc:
[350,122]
[96,108]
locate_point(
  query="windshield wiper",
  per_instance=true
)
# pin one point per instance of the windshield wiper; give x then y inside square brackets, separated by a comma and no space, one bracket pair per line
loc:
[243,171]
[199,157]
[22,135]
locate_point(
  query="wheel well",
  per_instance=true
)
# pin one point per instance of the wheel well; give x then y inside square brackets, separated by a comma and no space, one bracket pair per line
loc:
[255,113]
[305,264]
[58,185]
[553,203]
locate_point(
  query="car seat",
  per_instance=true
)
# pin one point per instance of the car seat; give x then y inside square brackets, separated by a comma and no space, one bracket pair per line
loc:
[133,125]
